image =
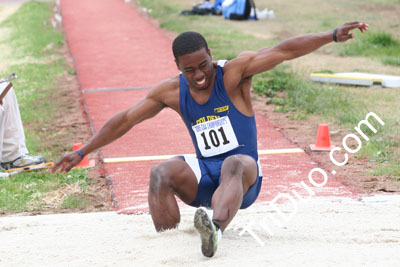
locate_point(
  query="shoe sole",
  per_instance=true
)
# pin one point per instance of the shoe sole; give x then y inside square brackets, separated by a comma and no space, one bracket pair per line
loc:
[204,226]
[10,165]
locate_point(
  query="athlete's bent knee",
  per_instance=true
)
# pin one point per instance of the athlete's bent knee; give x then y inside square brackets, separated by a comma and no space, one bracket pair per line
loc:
[234,165]
[159,178]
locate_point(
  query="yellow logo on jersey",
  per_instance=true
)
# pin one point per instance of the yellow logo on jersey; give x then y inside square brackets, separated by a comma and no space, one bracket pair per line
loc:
[221,109]
[207,118]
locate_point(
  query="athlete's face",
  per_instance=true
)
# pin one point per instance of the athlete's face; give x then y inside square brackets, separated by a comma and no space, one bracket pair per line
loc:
[197,68]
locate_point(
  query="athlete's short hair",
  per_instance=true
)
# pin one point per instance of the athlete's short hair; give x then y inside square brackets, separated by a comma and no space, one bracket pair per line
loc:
[188,42]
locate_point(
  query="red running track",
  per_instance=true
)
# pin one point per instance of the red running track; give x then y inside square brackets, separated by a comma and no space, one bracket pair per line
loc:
[118,53]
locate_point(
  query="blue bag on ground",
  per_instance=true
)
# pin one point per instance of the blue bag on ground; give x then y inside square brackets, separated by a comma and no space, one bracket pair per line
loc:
[239,10]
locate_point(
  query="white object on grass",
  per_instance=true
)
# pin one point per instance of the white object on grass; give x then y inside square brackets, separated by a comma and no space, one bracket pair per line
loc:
[4,175]
[358,78]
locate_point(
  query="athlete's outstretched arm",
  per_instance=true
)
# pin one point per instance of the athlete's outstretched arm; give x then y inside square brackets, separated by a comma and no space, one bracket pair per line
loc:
[114,128]
[267,58]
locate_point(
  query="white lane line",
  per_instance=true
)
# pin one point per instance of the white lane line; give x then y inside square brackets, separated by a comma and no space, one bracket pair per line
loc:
[165,157]
[280,151]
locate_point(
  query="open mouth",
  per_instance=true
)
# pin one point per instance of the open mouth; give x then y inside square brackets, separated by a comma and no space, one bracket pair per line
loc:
[201,83]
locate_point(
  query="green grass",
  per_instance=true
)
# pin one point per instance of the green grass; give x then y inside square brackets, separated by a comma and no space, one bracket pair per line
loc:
[379,45]
[33,86]
[298,116]
[392,169]
[29,191]
[377,150]
[35,56]
[306,96]
[32,34]
[74,201]
[391,61]
[382,147]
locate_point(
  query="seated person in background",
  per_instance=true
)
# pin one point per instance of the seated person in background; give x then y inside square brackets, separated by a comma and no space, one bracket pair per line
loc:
[13,151]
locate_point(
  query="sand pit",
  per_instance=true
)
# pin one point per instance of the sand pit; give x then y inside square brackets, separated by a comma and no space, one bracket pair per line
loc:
[322,232]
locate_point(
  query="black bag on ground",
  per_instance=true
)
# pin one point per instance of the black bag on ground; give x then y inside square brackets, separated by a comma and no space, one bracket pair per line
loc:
[205,8]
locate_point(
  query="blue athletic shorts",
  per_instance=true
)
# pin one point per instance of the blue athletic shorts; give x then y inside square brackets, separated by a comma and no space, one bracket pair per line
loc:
[208,174]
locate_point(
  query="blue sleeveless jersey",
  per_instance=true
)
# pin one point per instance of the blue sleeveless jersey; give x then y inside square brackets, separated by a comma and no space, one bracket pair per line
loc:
[218,106]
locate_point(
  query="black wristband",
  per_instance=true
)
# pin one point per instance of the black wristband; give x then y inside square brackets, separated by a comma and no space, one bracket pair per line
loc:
[334,35]
[80,153]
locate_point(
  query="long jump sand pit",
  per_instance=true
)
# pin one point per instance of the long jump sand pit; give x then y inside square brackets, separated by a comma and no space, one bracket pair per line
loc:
[321,232]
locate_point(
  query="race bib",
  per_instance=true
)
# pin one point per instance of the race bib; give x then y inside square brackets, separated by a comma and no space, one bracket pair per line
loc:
[215,137]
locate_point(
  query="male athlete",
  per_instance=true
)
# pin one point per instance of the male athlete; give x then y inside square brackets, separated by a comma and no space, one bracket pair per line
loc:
[214,101]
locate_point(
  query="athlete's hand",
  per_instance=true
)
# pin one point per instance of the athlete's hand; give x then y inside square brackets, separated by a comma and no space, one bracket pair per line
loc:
[66,162]
[343,33]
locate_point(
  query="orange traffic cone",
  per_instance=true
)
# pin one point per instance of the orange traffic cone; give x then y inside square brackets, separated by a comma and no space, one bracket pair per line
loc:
[85,163]
[323,141]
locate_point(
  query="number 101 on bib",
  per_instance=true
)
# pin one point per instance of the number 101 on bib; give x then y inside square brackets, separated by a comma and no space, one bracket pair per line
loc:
[215,137]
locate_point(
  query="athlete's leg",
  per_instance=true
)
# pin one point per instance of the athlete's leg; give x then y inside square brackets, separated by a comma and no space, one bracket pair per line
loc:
[238,174]
[169,178]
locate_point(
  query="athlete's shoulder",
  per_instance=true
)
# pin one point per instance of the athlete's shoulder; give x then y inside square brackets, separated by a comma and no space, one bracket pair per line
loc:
[166,86]
[235,68]
[242,59]
[166,91]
